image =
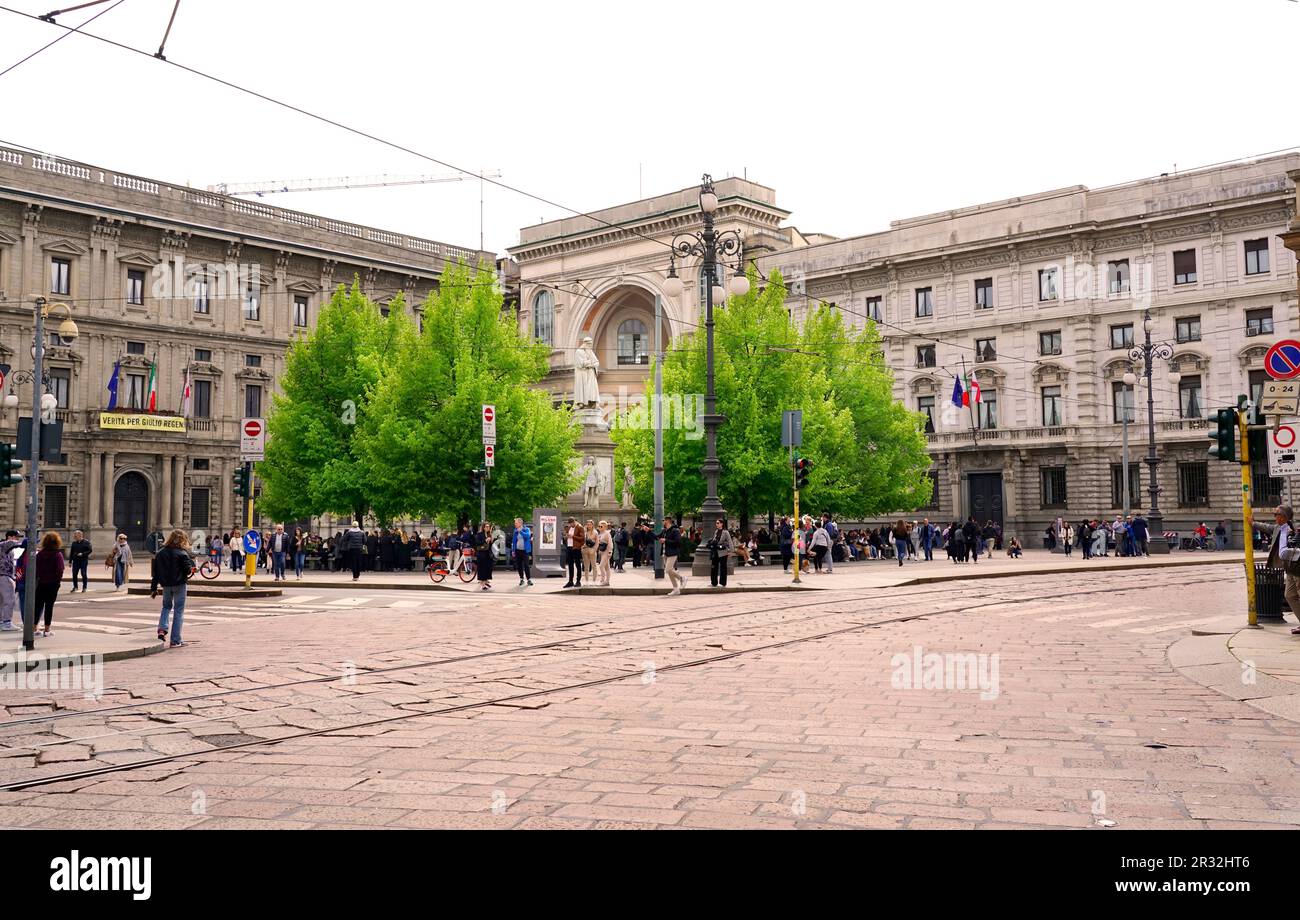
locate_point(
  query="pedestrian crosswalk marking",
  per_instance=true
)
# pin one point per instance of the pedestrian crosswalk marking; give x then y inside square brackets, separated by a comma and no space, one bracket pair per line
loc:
[406,605]
[304,599]
[347,602]
[1090,614]
[1167,627]
[90,627]
[1122,621]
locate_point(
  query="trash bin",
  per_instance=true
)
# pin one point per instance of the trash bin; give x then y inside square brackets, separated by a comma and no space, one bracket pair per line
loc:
[1269,589]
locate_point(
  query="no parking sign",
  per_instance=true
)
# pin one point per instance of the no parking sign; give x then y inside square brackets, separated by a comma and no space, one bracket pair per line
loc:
[1283,360]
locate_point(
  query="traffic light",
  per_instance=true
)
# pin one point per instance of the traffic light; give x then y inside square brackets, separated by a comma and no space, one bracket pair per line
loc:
[1225,435]
[802,467]
[475,477]
[242,481]
[9,466]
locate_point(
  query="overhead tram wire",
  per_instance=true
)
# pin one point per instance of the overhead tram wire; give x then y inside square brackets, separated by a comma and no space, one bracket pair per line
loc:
[71,29]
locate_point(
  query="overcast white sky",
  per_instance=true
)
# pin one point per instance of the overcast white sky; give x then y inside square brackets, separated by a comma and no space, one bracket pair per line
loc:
[855,114]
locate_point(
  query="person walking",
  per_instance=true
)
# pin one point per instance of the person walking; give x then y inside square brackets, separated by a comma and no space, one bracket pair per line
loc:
[819,544]
[171,570]
[589,551]
[299,549]
[671,538]
[521,548]
[49,575]
[900,540]
[785,543]
[1221,535]
[236,556]
[833,532]
[720,548]
[216,549]
[9,580]
[621,540]
[604,552]
[1284,554]
[121,561]
[575,535]
[927,539]
[1067,537]
[483,555]
[279,546]
[79,553]
[352,544]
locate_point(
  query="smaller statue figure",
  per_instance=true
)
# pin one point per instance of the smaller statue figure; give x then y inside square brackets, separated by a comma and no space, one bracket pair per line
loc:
[590,484]
[629,483]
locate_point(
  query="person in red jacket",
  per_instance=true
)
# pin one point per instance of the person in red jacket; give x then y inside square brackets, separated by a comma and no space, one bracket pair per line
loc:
[49,576]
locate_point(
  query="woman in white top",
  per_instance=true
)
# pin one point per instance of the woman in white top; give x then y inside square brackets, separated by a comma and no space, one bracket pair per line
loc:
[604,549]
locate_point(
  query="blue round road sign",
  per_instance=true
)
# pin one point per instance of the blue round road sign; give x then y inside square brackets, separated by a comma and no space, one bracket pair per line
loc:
[252,541]
[1283,360]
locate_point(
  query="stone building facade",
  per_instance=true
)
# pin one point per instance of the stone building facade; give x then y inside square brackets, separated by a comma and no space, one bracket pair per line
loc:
[1042,296]
[185,279]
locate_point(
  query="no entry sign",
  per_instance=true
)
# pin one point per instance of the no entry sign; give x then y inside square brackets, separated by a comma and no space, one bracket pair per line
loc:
[252,439]
[1283,360]
[489,424]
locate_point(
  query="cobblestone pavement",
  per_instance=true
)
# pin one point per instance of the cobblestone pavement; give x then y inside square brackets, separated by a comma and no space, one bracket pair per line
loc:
[1056,707]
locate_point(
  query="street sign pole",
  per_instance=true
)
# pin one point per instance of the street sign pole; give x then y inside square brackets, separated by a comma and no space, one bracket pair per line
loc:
[1248,523]
[250,559]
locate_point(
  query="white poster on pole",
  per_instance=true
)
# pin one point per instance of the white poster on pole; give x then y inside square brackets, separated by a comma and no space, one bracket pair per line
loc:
[1284,450]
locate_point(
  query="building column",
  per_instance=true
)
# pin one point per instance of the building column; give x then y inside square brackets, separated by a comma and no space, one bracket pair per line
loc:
[178,497]
[90,516]
[110,467]
[223,491]
[165,496]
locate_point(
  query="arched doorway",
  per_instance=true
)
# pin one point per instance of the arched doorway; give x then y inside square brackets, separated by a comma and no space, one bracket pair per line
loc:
[131,508]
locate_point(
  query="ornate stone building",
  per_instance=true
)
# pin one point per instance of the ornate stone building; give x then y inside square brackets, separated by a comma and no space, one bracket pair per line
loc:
[1041,296]
[189,281]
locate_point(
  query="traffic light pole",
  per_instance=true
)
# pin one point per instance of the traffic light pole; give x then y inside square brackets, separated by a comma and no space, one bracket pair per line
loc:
[1248,522]
[34,484]
[795,474]
[482,498]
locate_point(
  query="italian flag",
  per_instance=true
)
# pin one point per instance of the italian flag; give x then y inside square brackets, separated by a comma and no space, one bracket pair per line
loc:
[972,396]
[151,391]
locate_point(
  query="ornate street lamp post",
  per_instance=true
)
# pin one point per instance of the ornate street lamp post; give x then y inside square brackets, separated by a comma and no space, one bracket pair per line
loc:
[708,246]
[1145,353]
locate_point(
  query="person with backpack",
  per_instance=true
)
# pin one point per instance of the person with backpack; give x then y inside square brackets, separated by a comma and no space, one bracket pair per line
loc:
[621,540]
[172,567]
[671,538]
[351,546]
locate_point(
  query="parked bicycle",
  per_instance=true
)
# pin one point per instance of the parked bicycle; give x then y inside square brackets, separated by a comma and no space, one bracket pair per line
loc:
[464,568]
[208,569]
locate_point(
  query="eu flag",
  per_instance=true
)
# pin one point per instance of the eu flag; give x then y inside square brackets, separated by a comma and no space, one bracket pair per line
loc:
[112,386]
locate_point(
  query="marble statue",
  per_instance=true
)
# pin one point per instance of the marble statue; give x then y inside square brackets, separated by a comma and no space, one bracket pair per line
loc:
[629,482]
[590,484]
[586,391]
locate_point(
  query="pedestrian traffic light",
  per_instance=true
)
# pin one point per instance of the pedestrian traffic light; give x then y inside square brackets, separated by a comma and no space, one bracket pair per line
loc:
[1224,435]
[475,477]
[9,466]
[242,482]
[802,467]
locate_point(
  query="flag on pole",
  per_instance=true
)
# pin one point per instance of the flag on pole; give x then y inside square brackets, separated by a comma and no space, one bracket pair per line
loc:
[958,397]
[187,395]
[973,395]
[112,386]
[151,392]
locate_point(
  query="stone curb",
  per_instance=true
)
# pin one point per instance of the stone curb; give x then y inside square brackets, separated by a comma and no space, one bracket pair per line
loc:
[962,575]
[1210,660]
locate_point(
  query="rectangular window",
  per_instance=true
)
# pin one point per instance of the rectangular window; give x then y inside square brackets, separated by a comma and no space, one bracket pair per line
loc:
[1193,484]
[252,303]
[1121,336]
[1257,257]
[1265,491]
[203,354]
[1185,267]
[873,308]
[1256,382]
[1188,328]
[934,492]
[924,302]
[60,385]
[1134,485]
[1053,486]
[1189,397]
[1259,322]
[201,464]
[202,407]
[987,409]
[252,401]
[1118,276]
[1049,343]
[300,312]
[60,276]
[135,348]
[1047,284]
[1052,407]
[135,391]
[1122,401]
[925,356]
[135,286]
[200,510]
[201,302]
[56,507]
[926,404]
[252,360]
[986,349]
[983,293]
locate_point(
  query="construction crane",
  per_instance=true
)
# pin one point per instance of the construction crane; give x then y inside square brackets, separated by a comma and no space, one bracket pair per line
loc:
[336,183]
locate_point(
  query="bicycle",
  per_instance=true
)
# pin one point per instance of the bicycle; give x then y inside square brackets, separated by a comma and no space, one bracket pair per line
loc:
[208,569]
[464,568]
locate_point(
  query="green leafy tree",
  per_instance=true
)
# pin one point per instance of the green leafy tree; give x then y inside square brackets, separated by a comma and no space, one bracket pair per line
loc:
[868,453]
[312,464]
[422,434]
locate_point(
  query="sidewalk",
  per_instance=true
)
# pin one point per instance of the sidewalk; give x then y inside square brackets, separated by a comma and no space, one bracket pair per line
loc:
[74,642]
[1256,666]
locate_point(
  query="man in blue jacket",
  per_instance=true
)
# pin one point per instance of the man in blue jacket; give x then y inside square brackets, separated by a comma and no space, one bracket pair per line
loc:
[519,543]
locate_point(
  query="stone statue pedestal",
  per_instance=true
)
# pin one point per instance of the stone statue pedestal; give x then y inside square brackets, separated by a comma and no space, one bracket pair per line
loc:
[596,444]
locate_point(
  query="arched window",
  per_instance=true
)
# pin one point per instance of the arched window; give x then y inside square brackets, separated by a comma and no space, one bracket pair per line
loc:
[633,346]
[544,317]
[719,272]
